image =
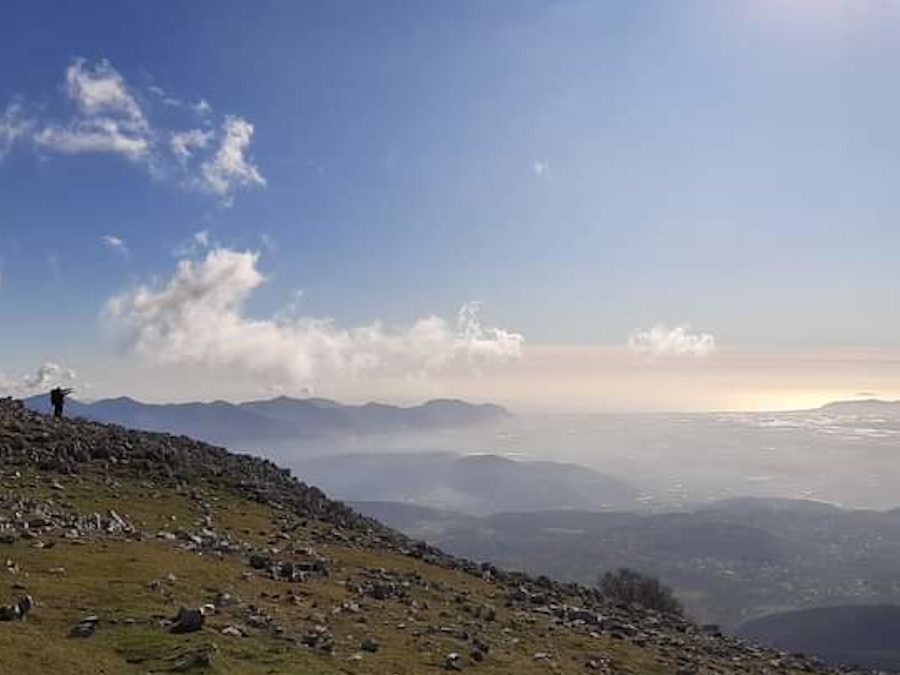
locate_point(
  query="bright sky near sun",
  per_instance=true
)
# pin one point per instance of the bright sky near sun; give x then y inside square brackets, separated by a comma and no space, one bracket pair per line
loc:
[583,205]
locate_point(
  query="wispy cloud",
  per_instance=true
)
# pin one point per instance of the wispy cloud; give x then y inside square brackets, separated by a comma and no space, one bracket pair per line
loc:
[202,108]
[185,143]
[115,244]
[197,316]
[540,168]
[230,167]
[15,125]
[199,241]
[111,116]
[677,341]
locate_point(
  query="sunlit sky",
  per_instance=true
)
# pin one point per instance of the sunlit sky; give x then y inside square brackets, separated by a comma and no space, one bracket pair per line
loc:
[591,205]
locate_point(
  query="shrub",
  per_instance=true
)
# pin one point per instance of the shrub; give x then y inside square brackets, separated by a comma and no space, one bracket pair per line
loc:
[630,586]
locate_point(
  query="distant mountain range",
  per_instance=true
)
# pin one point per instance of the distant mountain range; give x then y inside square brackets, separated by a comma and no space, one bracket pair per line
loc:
[477,484]
[730,561]
[278,419]
[867,406]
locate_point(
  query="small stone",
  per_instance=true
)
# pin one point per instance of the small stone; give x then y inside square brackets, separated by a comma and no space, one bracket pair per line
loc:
[452,661]
[85,629]
[369,645]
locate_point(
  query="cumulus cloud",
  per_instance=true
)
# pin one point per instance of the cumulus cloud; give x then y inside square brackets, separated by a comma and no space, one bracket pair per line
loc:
[115,244]
[111,116]
[662,341]
[47,376]
[197,316]
[230,167]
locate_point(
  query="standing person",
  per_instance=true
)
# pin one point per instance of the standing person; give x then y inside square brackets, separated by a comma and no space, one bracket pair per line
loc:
[58,400]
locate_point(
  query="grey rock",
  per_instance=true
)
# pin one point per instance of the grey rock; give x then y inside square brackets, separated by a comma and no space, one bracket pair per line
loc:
[188,621]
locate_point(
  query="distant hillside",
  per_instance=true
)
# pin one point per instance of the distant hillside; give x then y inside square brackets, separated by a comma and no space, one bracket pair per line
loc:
[476,484]
[869,406]
[278,419]
[728,561]
[846,635]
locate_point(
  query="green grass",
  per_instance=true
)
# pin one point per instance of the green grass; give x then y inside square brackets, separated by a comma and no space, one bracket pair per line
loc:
[111,577]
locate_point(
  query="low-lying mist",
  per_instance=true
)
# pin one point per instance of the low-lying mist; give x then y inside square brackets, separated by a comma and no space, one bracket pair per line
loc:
[673,460]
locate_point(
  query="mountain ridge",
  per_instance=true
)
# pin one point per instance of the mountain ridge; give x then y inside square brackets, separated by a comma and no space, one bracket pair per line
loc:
[861,406]
[279,419]
[110,530]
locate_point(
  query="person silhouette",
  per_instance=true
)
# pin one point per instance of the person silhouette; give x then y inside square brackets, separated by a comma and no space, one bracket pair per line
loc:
[58,400]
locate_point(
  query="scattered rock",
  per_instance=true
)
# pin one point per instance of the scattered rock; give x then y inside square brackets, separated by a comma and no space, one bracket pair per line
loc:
[188,621]
[85,628]
[453,662]
[18,611]
[234,631]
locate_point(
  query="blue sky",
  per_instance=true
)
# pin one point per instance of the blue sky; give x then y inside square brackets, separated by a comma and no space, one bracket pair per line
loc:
[584,170]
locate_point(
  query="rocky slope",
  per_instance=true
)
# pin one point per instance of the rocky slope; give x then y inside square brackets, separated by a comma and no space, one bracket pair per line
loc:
[135,552]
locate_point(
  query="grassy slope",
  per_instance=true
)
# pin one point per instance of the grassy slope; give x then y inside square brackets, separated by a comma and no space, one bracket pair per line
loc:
[111,576]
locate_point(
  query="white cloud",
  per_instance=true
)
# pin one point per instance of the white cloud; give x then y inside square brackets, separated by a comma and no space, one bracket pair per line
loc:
[111,116]
[662,341]
[108,117]
[198,317]
[114,243]
[101,90]
[183,143]
[47,376]
[202,108]
[230,168]
[540,168]
[15,126]
[93,135]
